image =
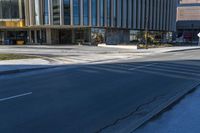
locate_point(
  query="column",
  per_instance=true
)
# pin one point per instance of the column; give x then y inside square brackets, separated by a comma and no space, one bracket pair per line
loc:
[61,12]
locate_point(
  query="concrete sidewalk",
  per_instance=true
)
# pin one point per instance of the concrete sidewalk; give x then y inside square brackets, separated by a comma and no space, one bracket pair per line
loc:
[70,55]
[186,113]
[151,50]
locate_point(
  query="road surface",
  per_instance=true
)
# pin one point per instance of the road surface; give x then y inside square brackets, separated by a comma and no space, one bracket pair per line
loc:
[95,98]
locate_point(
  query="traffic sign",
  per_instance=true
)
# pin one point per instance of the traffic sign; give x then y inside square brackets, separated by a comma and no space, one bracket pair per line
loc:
[199,34]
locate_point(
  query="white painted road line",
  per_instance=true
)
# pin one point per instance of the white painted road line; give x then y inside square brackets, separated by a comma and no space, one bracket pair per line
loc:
[16,96]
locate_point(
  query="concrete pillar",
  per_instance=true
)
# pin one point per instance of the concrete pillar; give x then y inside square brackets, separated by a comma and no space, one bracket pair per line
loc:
[105,13]
[71,11]
[98,13]
[20,9]
[35,35]
[81,12]
[50,12]
[90,13]
[73,36]
[48,36]
[31,11]
[61,12]
[27,13]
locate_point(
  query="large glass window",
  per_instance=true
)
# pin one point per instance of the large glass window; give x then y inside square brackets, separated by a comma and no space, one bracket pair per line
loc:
[86,12]
[94,12]
[67,12]
[56,12]
[9,9]
[46,12]
[101,12]
[76,12]
[14,4]
[108,12]
[115,13]
[6,9]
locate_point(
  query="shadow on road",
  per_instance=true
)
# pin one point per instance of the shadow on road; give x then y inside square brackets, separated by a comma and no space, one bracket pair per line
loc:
[87,98]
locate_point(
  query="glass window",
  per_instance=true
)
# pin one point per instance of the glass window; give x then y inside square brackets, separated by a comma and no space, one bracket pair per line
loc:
[86,12]
[108,12]
[115,12]
[9,9]
[56,12]
[14,5]
[67,12]
[6,9]
[122,11]
[46,11]
[94,12]
[101,12]
[76,12]
[119,12]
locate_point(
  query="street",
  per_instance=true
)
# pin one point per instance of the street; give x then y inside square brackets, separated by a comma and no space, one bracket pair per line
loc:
[96,98]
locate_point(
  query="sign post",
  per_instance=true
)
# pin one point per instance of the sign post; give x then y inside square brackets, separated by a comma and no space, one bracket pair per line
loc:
[199,39]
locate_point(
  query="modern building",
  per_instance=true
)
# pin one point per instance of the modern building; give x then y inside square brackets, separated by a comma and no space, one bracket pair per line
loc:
[188,20]
[12,22]
[86,21]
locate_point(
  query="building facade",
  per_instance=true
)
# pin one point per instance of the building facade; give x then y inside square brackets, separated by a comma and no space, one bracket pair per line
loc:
[12,20]
[73,21]
[188,20]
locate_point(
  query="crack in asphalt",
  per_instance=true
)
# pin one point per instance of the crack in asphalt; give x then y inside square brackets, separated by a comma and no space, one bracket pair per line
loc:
[130,114]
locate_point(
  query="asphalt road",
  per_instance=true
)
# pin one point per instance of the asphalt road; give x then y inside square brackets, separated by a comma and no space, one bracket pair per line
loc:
[115,97]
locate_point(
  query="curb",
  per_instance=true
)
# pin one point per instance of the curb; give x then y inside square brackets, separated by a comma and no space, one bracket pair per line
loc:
[181,50]
[9,72]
